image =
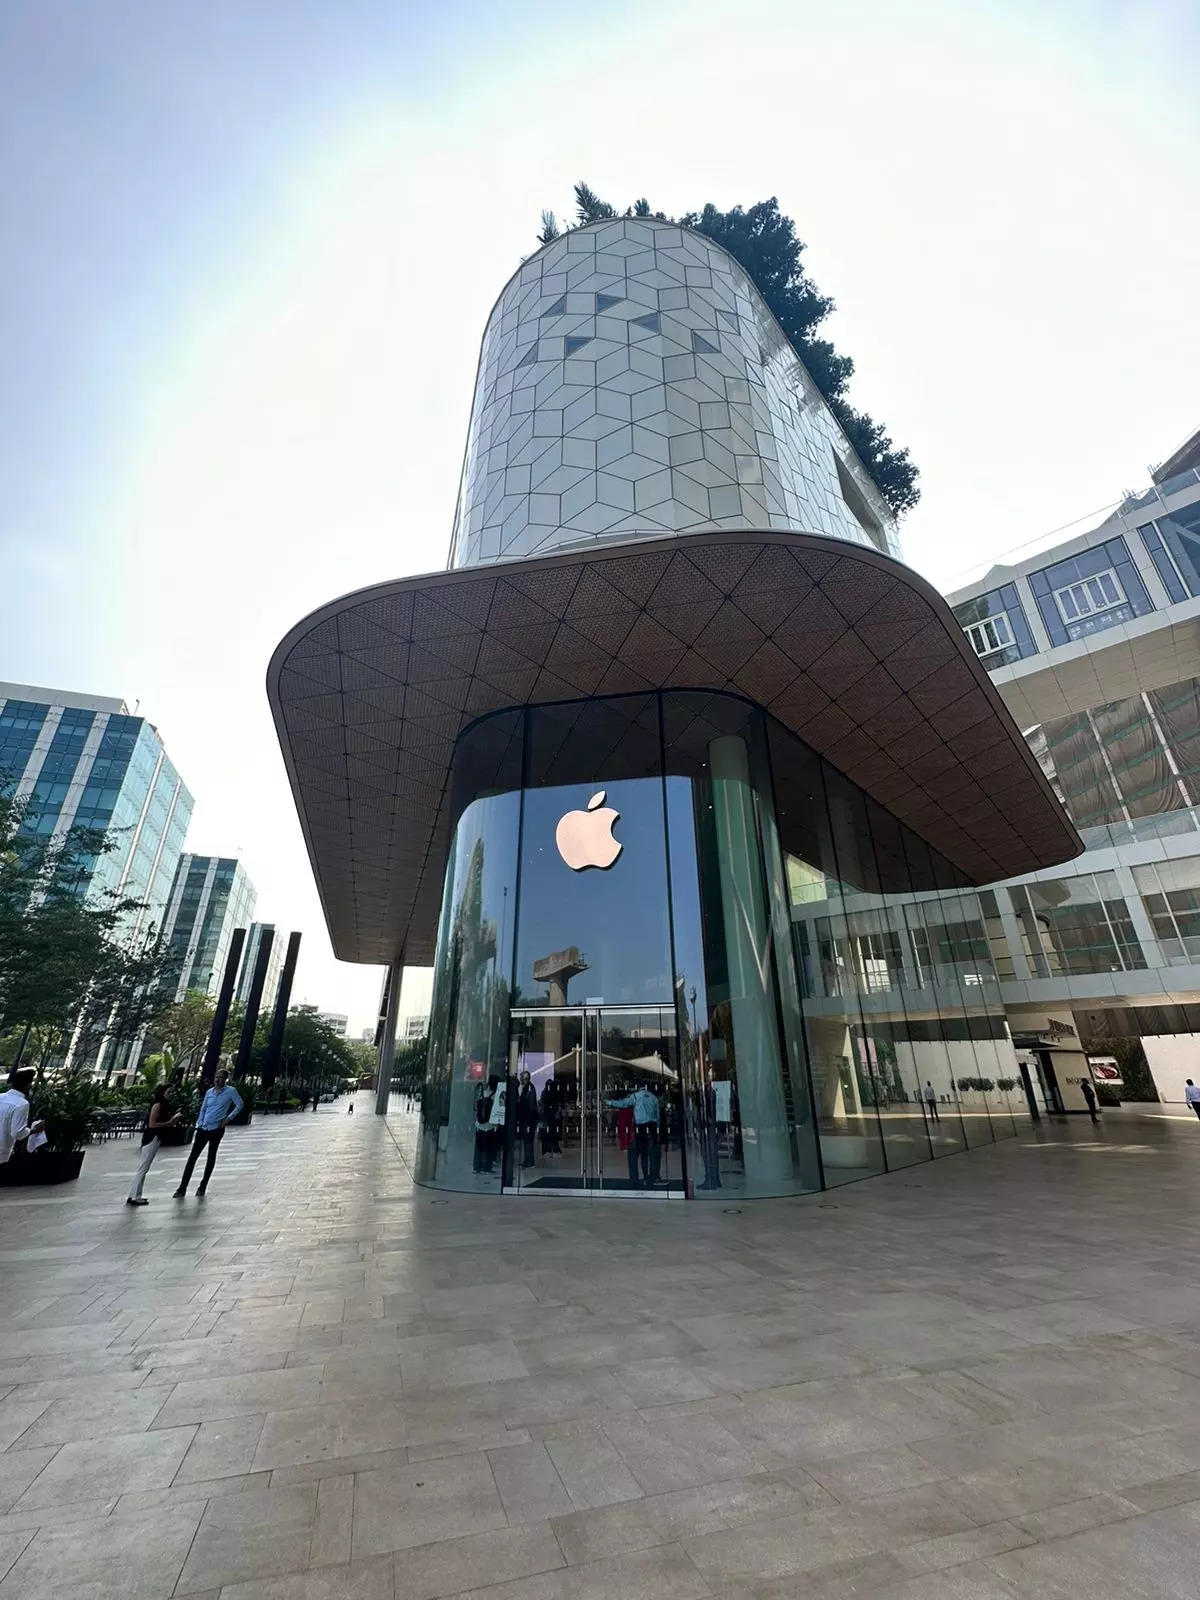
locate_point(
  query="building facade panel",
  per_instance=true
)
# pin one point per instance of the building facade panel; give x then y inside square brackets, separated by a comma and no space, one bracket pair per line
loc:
[632,382]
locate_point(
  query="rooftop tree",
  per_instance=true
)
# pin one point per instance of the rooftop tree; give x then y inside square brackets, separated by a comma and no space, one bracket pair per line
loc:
[764,242]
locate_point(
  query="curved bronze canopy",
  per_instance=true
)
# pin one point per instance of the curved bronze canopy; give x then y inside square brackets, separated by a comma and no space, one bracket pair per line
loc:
[847,648]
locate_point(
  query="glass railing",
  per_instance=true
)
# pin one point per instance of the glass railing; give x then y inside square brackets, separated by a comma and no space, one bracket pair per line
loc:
[1159,492]
[1164,825]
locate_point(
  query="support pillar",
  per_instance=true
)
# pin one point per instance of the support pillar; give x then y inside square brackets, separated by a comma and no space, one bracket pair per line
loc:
[258,978]
[270,1071]
[747,927]
[216,1034]
[387,1040]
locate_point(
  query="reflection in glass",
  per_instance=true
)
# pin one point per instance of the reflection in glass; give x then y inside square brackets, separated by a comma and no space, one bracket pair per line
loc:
[749,1120]
[773,986]
[468,1026]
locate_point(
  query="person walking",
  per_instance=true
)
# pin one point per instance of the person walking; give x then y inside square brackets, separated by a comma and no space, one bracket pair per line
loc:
[1192,1095]
[159,1117]
[220,1103]
[14,1113]
[1089,1094]
[931,1101]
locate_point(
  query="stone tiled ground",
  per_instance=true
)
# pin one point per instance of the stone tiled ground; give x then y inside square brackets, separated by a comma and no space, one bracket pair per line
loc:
[974,1381]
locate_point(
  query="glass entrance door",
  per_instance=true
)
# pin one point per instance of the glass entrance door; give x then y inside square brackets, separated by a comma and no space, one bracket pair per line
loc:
[596,1103]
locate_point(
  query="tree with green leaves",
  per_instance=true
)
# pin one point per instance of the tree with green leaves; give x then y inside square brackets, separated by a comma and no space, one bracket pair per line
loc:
[182,1027]
[764,242]
[62,949]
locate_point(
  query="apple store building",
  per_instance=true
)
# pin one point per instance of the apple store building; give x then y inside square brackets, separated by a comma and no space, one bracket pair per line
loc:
[683,784]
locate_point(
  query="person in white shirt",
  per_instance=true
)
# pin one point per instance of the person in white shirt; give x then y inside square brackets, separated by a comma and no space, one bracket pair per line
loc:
[14,1113]
[1192,1095]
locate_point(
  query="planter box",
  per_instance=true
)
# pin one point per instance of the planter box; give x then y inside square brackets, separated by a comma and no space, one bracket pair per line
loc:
[44,1166]
[243,1118]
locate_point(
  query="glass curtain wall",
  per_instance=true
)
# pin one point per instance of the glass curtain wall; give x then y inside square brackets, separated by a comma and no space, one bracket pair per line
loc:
[750,1127]
[464,1102]
[834,1007]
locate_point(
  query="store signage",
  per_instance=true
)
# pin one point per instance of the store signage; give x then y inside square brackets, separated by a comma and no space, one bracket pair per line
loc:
[585,838]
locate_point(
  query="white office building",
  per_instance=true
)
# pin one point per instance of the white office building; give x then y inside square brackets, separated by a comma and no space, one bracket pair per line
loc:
[1094,645]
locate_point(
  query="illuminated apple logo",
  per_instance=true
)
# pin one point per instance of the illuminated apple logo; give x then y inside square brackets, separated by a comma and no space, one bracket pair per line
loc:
[585,838]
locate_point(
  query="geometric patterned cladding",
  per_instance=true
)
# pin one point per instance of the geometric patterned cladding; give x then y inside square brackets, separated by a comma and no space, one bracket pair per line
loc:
[844,646]
[632,383]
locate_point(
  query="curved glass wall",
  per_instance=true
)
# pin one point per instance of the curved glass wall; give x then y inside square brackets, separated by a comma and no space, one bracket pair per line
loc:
[680,953]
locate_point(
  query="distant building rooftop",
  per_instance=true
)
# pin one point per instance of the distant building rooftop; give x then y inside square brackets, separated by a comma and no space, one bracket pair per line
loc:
[1187,456]
[63,697]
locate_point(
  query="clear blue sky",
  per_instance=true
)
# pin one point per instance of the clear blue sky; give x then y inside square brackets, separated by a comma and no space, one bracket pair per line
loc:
[249,249]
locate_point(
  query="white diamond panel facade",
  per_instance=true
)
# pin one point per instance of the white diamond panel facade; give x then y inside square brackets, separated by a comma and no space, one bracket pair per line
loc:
[633,383]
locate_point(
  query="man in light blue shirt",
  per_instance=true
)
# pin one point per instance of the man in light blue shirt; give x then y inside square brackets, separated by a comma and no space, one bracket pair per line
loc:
[646,1115]
[220,1104]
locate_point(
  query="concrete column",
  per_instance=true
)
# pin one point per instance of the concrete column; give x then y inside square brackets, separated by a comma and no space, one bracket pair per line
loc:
[748,957]
[387,1043]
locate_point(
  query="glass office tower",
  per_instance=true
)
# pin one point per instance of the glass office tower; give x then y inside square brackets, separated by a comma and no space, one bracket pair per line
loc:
[83,761]
[212,896]
[683,783]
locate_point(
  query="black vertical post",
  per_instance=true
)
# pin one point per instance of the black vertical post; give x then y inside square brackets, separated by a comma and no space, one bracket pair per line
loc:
[266,938]
[270,1069]
[216,1034]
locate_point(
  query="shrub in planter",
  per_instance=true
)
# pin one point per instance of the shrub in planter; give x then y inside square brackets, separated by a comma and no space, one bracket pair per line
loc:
[249,1096]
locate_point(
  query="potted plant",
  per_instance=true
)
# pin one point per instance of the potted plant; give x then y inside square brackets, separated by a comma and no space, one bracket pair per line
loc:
[249,1096]
[68,1107]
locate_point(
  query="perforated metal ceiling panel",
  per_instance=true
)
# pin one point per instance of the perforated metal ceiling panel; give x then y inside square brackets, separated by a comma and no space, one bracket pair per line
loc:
[846,647]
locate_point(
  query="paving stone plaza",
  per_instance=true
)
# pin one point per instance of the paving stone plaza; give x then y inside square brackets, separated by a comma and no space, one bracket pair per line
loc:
[972,1382]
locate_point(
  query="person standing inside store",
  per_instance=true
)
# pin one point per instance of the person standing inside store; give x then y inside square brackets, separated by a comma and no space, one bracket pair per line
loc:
[646,1116]
[1089,1094]
[158,1119]
[14,1113]
[527,1118]
[220,1104]
[548,1118]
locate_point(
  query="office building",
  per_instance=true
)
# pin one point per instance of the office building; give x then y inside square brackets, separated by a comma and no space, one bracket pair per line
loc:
[335,1021]
[254,938]
[211,896]
[81,760]
[412,1029]
[1094,645]
[681,781]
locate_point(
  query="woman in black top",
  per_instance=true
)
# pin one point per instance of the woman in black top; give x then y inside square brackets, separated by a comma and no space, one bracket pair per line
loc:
[160,1116]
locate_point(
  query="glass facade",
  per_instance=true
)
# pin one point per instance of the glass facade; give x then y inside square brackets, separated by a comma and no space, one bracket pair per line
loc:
[77,766]
[1089,592]
[1130,769]
[678,952]
[997,627]
[211,897]
[1174,546]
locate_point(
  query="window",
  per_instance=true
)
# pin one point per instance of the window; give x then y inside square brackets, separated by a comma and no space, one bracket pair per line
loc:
[990,635]
[1090,595]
